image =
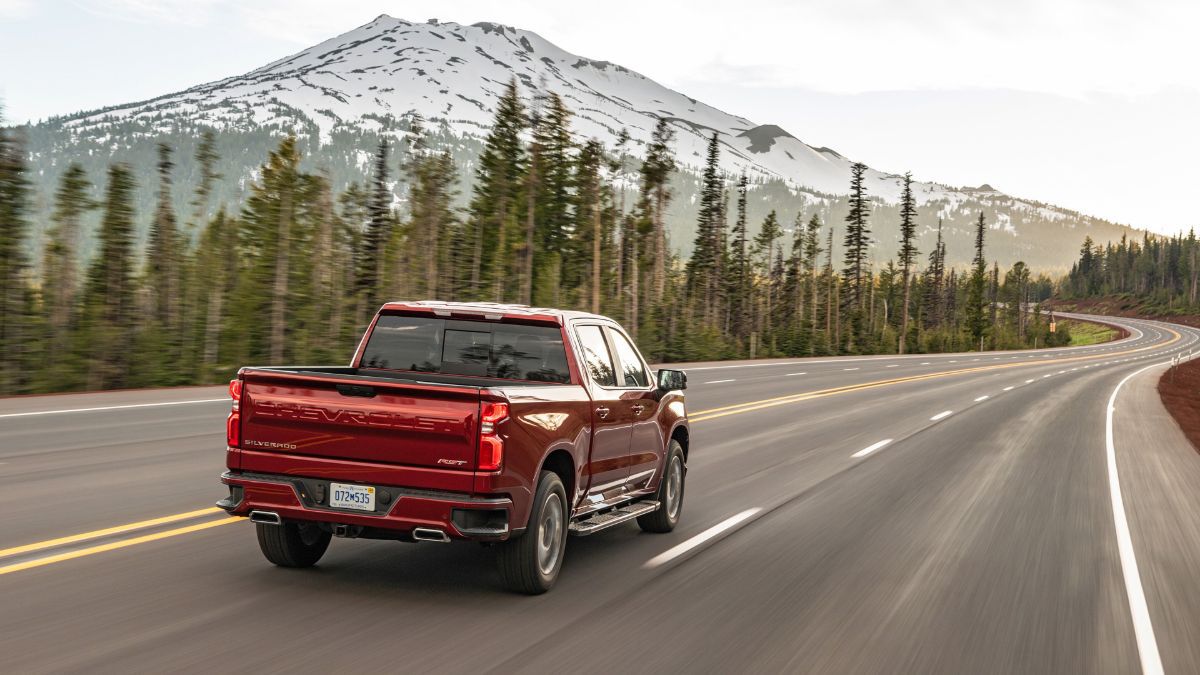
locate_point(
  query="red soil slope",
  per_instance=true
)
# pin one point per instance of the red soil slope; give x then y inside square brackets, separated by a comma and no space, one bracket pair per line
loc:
[1180,392]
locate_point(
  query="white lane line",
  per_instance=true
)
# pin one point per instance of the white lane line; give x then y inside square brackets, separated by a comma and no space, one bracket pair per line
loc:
[982,398]
[849,368]
[1009,388]
[1028,381]
[1061,372]
[791,374]
[941,416]
[113,407]
[892,365]
[1047,375]
[718,381]
[871,448]
[1143,630]
[676,551]
[924,363]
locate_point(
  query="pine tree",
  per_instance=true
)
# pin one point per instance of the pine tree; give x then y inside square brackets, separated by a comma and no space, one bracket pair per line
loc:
[61,281]
[812,250]
[494,205]
[935,282]
[704,266]
[432,221]
[193,283]
[592,238]
[215,264]
[739,266]
[555,220]
[206,161]
[830,288]
[380,219]
[60,266]
[764,250]
[618,169]
[15,311]
[856,242]
[108,314]
[993,301]
[657,168]
[976,319]
[163,257]
[908,253]
[275,241]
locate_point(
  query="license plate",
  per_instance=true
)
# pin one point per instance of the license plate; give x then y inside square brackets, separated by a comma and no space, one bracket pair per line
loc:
[357,497]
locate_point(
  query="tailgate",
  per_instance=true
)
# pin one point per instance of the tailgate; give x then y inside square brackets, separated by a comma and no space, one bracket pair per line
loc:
[412,424]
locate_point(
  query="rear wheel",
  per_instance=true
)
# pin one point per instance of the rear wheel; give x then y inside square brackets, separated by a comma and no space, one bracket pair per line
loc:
[531,562]
[670,493]
[293,544]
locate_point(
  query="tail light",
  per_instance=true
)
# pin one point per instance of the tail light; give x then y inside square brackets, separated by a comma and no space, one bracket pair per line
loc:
[491,446]
[233,424]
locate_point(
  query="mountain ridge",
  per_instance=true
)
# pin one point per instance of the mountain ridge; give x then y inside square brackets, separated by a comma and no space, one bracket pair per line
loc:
[375,79]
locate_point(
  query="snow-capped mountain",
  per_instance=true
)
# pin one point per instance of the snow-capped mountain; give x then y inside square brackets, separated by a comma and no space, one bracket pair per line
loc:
[370,81]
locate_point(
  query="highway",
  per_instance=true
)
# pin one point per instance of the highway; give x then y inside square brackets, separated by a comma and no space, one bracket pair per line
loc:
[956,513]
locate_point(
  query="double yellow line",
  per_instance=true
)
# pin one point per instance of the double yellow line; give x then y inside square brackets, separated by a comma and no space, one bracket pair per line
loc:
[700,416]
[111,546]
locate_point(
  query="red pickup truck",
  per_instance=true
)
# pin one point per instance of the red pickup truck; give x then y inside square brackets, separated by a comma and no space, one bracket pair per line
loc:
[501,424]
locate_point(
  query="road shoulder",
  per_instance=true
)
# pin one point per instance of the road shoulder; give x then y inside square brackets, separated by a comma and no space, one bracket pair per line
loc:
[1160,478]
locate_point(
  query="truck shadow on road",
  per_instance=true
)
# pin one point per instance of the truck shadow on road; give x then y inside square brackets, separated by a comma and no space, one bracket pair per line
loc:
[384,568]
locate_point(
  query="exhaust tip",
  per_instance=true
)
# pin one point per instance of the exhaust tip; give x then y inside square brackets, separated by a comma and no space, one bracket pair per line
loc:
[265,518]
[430,534]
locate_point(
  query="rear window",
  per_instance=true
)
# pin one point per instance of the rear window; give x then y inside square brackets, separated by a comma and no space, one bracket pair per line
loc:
[454,347]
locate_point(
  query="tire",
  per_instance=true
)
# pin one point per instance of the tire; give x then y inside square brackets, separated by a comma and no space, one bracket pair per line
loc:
[670,493]
[293,544]
[530,563]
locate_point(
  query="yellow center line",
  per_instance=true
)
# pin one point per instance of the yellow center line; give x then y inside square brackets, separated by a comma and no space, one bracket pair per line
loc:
[95,534]
[713,413]
[112,546]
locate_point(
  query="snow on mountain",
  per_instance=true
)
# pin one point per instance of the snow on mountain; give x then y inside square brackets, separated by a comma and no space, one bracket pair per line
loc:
[454,73]
[450,74]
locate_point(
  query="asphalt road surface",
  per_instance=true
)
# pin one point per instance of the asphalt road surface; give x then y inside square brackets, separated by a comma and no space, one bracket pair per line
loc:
[962,513]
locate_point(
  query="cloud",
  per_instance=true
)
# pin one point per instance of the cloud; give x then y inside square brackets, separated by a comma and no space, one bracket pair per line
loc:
[15,9]
[180,12]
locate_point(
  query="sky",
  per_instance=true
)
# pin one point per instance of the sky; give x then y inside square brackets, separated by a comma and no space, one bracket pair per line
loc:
[1087,104]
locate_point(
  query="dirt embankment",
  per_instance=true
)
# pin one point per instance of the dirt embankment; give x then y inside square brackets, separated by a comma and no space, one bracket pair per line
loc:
[1180,392]
[1119,306]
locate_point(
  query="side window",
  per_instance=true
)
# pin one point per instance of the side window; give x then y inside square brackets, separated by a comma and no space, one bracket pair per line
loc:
[595,355]
[631,365]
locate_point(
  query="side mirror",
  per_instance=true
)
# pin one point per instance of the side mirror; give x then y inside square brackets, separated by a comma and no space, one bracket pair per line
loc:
[671,380]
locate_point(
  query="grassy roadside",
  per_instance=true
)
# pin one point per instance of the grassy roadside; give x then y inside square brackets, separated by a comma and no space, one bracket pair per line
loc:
[1088,333]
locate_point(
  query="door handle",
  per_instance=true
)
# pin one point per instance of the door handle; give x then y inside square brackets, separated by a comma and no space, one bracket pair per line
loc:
[637,408]
[602,412]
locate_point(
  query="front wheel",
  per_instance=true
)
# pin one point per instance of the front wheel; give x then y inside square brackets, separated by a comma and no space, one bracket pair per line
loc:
[670,493]
[293,544]
[531,562]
